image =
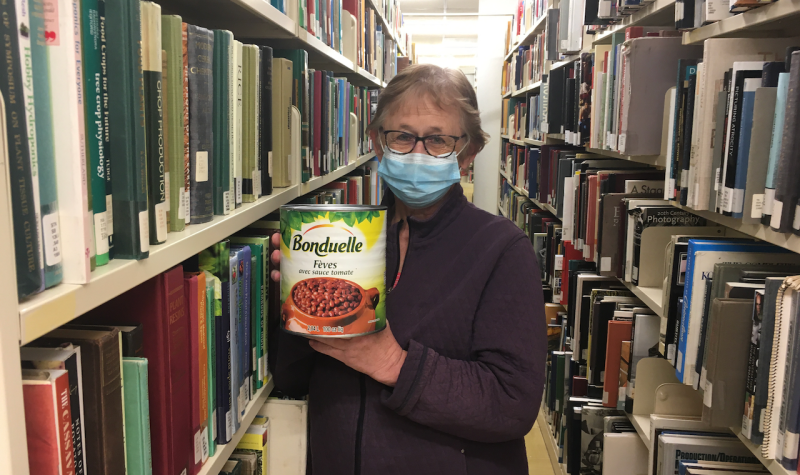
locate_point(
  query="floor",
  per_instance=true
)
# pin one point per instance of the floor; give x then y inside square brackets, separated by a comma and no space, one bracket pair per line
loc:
[538,460]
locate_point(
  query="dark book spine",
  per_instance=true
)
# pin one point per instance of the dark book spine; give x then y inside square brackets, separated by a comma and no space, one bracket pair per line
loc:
[73,367]
[770,73]
[265,127]
[201,92]
[686,133]
[28,265]
[224,402]
[154,122]
[104,104]
[786,192]
[701,349]
[220,100]
[126,114]
[733,140]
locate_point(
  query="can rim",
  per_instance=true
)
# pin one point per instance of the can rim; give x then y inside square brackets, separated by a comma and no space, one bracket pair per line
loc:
[337,207]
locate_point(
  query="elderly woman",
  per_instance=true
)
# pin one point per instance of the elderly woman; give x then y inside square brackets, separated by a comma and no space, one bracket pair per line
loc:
[454,383]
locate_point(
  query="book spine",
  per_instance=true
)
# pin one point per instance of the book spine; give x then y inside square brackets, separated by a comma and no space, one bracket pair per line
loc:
[64,423]
[200,46]
[235,386]
[684,320]
[232,130]
[223,364]
[775,148]
[784,206]
[237,124]
[50,256]
[265,126]
[220,125]
[95,126]
[191,289]
[154,121]
[211,338]
[248,120]
[740,177]
[258,164]
[187,160]
[126,112]
[42,427]
[173,119]
[72,365]
[686,134]
[101,10]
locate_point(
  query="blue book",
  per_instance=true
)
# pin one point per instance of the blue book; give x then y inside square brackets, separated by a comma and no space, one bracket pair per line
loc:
[244,262]
[233,283]
[533,160]
[222,325]
[775,148]
[702,254]
[746,124]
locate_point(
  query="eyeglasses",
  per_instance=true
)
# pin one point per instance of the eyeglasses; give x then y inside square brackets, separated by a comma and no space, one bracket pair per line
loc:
[436,145]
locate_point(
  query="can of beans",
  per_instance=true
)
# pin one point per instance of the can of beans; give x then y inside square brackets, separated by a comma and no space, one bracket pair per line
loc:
[333,266]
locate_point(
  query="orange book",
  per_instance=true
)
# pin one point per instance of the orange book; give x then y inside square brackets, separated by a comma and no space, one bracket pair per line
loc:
[194,288]
[618,331]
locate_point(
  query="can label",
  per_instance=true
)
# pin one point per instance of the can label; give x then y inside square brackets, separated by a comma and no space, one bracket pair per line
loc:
[333,266]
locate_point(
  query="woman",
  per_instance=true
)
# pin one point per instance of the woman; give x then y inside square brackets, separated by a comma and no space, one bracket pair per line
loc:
[453,384]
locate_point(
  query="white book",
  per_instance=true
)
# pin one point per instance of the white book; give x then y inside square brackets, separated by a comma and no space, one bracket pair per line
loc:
[719,54]
[697,114]
[672,448]
[567,225]
[669,183]
[237,113]
[69,135]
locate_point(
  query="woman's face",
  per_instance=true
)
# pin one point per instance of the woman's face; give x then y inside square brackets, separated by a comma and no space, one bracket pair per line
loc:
[422,118]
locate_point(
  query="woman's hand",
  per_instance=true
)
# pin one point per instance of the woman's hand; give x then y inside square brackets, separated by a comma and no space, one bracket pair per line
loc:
[378,355]
[276,257]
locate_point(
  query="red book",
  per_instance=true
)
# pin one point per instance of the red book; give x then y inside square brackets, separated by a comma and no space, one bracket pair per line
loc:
[617,333]
[312,18]
[48,422]
[194,285]
[570,254]
[159,305]
[352,192]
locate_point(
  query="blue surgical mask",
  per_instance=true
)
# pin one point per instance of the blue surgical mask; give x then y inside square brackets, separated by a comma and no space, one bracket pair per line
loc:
[418,179]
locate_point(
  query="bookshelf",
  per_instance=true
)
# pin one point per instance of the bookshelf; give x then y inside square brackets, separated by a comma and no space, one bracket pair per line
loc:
[781,16]
[245,18]
[779,20]
[657,13]
[530,88]
[62,303]
[214,464]
[527,37]
[550,444]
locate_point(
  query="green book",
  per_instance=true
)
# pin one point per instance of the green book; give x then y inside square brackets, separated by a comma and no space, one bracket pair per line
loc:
[259,247]
[101,9]
[299,59]
[172,43]
[157,201]
[211,283]
[45,145]
[137,416]
[251,173]
[560,371]
[95,131]
[220,123]
[126,113]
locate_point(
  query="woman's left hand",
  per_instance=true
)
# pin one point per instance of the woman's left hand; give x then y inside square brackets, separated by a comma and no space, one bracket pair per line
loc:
[378,355]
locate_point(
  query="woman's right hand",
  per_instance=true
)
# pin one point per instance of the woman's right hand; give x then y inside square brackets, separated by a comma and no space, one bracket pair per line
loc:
[276,257]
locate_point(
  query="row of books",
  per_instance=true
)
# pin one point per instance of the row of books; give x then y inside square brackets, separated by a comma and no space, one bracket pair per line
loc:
[612,228]
[362,186]
[525,67]
[526,15]
[522,117]
[594,437]
[160,375]
[204,134]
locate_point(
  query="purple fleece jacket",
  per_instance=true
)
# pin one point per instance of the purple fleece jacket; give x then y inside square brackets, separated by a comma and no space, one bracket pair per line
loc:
[469,310]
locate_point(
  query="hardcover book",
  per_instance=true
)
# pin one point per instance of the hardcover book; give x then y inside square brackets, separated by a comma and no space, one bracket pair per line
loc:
[137,416]
[126,111]
[172,42]
[221,123]
[48,421]
[201,110]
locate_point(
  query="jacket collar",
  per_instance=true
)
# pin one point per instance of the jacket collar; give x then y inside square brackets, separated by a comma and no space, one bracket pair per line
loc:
[454,203]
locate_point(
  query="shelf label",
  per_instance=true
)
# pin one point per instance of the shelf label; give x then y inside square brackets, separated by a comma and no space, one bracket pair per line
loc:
[201,166]
[52,241]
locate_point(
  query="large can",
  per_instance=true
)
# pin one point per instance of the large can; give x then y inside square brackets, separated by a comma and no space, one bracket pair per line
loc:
[333,266]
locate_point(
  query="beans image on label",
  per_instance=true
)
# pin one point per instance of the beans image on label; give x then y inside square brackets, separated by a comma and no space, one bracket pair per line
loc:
[333,266]
[329,298]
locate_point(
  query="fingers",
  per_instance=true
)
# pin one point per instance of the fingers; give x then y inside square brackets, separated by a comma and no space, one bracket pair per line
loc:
[275,276]
[338,343]
[276,257]
[326,349]
[276,239]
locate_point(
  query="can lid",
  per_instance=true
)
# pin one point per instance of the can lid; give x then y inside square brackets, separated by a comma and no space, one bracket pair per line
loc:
[323,207]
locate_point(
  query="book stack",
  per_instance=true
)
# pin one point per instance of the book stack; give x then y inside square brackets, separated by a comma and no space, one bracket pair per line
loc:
[164,372]
[210,129]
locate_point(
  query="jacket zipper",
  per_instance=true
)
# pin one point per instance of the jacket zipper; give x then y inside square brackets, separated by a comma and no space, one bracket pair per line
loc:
[362,378]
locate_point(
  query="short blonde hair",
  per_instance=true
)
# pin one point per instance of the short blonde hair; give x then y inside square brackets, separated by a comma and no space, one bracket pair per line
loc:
[445,87]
